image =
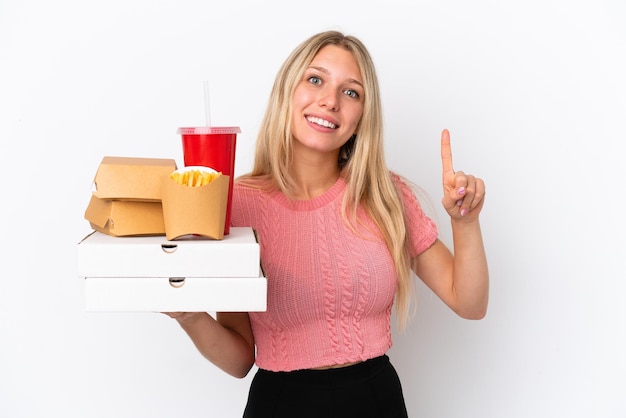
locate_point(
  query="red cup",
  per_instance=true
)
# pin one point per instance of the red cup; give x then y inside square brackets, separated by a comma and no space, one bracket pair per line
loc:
[212,147]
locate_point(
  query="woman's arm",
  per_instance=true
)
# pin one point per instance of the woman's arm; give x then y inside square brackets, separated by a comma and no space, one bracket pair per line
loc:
[226,341]
[461,278]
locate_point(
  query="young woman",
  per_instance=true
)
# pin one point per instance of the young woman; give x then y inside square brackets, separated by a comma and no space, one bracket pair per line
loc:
[340,237]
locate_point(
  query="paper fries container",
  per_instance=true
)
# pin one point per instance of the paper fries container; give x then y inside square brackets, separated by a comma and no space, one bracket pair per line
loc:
[199,210]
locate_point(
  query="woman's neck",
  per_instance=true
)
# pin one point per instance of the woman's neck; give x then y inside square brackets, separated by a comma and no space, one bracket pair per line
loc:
[314,178]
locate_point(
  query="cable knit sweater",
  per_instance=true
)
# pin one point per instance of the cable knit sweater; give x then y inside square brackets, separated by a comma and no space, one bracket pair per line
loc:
[330,292]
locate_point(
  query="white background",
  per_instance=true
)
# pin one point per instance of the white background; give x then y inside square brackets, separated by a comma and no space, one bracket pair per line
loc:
[533,93]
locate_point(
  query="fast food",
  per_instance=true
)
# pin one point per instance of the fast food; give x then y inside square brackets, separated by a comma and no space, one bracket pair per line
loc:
[194,177]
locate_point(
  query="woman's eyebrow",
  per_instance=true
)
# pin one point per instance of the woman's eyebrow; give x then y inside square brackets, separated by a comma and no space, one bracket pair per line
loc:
[325,71]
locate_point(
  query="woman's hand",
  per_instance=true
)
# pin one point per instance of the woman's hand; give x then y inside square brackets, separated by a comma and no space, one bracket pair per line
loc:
[226,340]
[463,194]
[184,317]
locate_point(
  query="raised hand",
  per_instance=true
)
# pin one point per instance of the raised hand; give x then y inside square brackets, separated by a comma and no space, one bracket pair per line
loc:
[463,194]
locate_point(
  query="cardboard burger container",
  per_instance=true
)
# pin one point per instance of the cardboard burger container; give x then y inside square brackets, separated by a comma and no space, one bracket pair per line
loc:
[195,210]
[131,178]
[154,274]
[126,196]
[122,218]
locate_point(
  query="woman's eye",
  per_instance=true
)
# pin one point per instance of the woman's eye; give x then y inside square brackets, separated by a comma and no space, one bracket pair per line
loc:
[352,93]
[314,80]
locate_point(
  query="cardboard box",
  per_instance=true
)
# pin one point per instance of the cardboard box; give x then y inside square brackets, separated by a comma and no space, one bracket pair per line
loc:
[152,274]
[129,178]
[237,255]
[162,294]
[199,210]
[125,218]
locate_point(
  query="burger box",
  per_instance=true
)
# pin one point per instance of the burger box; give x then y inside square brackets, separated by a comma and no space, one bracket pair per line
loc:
[125,217]
[126,196]
[151,273]
[131,178]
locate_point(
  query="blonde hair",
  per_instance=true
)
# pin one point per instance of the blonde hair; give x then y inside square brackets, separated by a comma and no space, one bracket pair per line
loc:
[370,184]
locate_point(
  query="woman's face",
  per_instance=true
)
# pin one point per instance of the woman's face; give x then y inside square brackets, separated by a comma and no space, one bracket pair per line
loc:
[327,102]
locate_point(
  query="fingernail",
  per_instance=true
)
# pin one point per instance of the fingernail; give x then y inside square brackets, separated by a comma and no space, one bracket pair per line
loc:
[459,202]
[461,191]
[463,212]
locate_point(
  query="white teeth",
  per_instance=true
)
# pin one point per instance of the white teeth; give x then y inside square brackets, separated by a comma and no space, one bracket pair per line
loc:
[321,122]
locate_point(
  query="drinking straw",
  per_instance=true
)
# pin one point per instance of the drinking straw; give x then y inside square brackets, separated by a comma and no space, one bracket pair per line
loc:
[207,104]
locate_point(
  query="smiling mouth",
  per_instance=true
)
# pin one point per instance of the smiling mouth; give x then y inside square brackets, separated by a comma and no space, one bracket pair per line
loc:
[321,122]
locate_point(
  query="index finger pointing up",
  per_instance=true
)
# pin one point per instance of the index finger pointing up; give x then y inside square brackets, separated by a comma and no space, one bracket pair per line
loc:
[446,153]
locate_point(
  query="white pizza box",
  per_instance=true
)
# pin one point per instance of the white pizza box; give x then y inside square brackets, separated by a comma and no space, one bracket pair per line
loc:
[236,255]
[162,294]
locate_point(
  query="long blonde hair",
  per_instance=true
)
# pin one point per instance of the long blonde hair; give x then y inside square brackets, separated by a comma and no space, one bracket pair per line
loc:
[370,184]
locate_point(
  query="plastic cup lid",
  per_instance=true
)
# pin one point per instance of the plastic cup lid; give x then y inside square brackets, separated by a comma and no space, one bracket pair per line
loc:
[204,130]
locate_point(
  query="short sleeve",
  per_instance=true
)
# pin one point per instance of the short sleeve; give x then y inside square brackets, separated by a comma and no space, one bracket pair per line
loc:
[421,229]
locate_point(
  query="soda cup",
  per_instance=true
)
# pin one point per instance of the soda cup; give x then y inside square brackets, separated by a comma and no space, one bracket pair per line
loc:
[212,147]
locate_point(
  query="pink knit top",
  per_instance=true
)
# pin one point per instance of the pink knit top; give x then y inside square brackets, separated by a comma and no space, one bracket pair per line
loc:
[330,292]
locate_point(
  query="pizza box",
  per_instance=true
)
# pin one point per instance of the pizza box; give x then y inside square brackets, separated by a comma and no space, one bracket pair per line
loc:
[163,294]
[103,255]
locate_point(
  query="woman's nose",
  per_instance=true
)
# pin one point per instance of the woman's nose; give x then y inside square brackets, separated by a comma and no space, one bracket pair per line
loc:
[329,100]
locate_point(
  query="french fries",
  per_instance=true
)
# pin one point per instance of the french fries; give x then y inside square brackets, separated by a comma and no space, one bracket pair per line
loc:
[194,177]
